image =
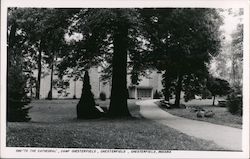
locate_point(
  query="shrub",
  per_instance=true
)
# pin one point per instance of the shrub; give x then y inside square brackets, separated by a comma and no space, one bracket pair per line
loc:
[234,104]
[157,95]
[102,96]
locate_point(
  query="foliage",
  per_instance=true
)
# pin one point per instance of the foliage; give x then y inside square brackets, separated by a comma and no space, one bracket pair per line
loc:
[17,75]
[86,106]
[102,96]
[108,39]
[17,100]
[183,42]
[192,85]
[61,85]
[156,95]
[206,94]
[179,41]
[234,104]
[237,58]
[43,31]
[168,84]
[218,87]
[228,64]
[153,38]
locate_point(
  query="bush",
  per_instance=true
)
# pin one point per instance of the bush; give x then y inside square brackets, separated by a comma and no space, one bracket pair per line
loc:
[157,95]
[234,104]
[102,96]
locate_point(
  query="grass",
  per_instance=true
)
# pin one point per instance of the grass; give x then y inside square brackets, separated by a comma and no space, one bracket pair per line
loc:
[222,116]
[54,124]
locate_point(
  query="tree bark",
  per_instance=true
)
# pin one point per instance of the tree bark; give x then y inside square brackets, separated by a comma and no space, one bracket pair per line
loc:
[178,91]
[167,87]
[39,71]
[74,96]
[50,94]
[118,102]
[214,100]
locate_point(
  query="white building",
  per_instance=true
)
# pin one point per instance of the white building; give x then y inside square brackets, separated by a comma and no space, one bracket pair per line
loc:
[145,89]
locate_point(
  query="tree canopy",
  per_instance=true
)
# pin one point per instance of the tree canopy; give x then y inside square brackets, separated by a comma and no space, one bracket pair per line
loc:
[218,87]
[183,41]
[178,41]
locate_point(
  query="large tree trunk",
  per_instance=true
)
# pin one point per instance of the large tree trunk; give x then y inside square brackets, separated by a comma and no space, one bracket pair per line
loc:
[167,83]
[39,71]
[118,102]
[178,91]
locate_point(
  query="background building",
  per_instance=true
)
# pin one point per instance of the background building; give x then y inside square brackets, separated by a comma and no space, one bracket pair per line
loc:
[145,89]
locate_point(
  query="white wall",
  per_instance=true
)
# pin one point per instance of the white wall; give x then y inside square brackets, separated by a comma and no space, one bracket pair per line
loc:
[97,85]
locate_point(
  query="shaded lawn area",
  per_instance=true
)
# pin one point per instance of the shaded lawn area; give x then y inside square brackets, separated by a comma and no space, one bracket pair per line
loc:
[222,116]
[54,124]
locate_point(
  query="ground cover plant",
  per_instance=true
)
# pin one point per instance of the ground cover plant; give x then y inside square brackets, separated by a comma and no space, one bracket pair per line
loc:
[54,124]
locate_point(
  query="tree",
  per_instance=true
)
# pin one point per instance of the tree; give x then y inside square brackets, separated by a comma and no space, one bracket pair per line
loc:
[17,99]
[44,31]
[228,64]
[183,46]
[183,42]
[108,34]
[237,58]
[168,84]
[17,109]
[193,85]
[55,41]
[218,87]
[86,106]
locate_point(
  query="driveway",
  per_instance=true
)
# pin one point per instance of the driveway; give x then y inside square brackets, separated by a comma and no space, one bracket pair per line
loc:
[224,136]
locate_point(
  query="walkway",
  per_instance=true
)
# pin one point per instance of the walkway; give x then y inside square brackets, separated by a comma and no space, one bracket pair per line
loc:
[224,136]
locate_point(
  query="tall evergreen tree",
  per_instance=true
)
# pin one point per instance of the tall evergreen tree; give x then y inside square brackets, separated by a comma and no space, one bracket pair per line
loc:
[17,99]
[86,106]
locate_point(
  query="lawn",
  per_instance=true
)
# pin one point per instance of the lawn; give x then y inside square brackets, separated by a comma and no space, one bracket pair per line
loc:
[222,116]
[54,124]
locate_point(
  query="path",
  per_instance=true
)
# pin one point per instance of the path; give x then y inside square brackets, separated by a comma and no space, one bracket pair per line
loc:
[224,136]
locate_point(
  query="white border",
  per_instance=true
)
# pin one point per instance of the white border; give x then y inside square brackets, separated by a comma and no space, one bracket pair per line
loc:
[11,152]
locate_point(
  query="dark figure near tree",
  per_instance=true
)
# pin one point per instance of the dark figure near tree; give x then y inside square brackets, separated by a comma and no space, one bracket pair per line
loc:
[86,107]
